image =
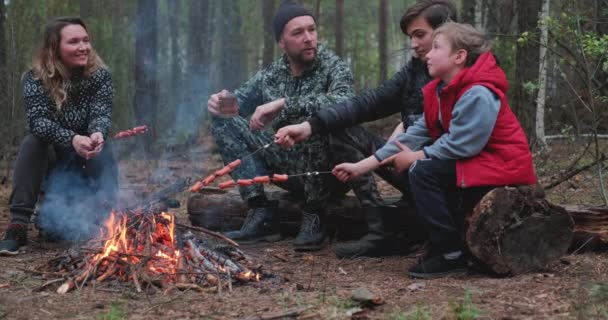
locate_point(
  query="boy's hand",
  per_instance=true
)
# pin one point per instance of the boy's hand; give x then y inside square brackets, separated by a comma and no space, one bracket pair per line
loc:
[287,136]
[350,171]
[404,159]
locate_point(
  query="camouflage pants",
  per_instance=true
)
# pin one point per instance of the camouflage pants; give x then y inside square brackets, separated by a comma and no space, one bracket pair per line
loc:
[319,153]
[236,141]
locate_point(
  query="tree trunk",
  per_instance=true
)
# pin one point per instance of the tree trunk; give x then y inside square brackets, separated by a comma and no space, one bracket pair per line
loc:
[339,27]
[3,53]
[382,42]
[526,65]
[267,15]
[85,9]
[146,85]
[176,74]
[467,12]
[511,230]
[198,54]
[231,46]
[542,76]
[479,15]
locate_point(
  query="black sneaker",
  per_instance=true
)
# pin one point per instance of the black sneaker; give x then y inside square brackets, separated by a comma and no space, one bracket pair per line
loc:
[260,225]
[15,238]
[436,266]
[312,233]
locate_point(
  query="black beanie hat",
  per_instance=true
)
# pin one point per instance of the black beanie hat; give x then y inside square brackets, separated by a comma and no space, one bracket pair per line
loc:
[288,9]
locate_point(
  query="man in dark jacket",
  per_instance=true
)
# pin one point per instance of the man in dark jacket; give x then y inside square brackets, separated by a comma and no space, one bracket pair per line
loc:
[402,93]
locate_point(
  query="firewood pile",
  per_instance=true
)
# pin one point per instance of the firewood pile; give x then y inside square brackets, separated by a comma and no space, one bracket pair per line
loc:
[148,250]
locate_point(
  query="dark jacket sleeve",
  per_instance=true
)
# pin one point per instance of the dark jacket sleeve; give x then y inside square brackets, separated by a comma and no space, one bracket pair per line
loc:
[100,119]
[369,106]
[39,109]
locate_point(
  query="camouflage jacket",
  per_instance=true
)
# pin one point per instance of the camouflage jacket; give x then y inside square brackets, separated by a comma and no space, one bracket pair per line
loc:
[328,81]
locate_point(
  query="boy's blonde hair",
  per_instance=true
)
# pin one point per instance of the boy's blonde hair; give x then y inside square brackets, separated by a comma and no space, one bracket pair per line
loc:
[466,37]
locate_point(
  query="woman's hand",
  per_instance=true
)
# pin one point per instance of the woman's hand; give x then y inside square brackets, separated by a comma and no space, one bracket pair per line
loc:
[350,171]
[82,145]
[265,113]
[288,136]
[97,143]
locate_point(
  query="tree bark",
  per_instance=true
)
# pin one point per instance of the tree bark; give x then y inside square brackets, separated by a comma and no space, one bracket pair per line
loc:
[267,15]
[339,27]
[526,64]
[146,85]
[591,228]
[382,41]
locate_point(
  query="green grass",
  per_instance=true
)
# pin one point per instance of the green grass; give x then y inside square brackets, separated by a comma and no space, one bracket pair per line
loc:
[593,303]
[419,312]
[466,309]
[116,312]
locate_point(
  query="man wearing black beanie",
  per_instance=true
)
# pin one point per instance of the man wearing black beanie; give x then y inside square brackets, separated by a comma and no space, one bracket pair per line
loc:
[305,79]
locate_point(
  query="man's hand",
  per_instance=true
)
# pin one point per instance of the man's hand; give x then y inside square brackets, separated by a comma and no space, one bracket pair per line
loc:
[398,129]
[214,103]
[404,159]
[82,145]
[288,136]
[264,114]
[350,171]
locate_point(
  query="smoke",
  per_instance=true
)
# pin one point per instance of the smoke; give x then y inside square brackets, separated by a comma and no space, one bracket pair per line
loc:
[79,196]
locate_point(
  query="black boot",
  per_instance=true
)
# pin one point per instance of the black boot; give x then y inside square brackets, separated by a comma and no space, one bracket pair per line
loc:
[260,225]
[387,235]
[15,238]
[376,243]
[312,233]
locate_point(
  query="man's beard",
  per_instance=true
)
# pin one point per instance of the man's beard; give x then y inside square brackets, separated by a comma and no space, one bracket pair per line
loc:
[299,58]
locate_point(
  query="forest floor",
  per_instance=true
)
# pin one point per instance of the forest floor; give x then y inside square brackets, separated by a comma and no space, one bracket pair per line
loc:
[318,285]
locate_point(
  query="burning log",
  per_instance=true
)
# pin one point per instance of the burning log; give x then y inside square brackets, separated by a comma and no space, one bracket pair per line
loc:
[145,248]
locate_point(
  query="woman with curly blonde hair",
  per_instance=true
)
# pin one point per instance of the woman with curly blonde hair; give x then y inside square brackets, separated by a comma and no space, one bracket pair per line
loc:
[67,96]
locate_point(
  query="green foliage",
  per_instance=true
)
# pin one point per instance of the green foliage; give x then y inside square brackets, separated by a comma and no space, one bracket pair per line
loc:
[466,309]
[116,312]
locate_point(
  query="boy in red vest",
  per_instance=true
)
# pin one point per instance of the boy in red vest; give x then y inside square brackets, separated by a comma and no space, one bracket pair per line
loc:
[468,142]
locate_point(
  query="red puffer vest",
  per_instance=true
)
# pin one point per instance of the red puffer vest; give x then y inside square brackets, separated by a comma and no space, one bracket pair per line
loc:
[506,158]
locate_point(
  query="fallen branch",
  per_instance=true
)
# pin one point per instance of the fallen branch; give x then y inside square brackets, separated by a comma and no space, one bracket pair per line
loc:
[572,173]
[209,232]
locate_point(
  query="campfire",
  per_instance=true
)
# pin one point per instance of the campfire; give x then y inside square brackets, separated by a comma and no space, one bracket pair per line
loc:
[150,250]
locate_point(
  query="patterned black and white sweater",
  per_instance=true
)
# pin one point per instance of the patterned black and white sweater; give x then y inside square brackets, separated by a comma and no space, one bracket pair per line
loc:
[88,108]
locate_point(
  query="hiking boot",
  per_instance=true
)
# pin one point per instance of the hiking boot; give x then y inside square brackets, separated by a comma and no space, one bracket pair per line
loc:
[312,233]
[260,225]
[375,243]
[15,238]
[438,265]
[385,236]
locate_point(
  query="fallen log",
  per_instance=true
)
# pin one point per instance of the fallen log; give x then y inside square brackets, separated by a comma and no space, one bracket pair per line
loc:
[590,228]
[511,231]
[226,211]
[516,230]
